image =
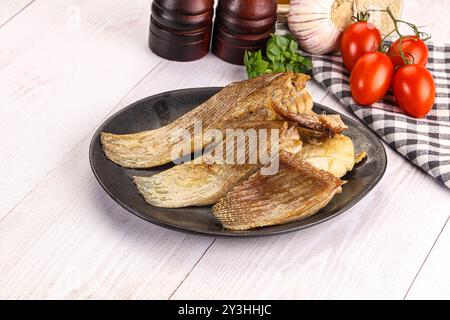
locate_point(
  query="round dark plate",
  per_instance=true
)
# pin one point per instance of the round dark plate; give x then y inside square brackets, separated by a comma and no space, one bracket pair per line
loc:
[161,109]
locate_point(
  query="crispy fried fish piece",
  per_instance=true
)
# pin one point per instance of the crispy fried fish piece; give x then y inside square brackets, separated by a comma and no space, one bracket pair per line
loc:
[198,184]
[297,191]
[238,102]
[335,155]
[327,124]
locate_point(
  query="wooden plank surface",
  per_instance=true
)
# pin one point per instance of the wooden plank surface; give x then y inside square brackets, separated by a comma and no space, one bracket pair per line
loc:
[431,16]
[91,242]
[10,8]
[64,65]
[61,236]
[433,281]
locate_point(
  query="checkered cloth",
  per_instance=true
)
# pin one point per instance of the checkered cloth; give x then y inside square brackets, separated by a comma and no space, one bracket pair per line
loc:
[425,142]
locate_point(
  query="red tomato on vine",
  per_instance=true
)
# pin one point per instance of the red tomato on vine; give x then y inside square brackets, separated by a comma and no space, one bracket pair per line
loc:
[371,78]
[358,39]
[414,50]
[414,90]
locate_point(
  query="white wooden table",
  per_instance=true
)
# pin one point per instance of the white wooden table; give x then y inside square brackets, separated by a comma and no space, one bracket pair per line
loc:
[65,65]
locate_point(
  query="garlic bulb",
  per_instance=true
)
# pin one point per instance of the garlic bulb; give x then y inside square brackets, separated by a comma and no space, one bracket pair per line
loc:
[317,24]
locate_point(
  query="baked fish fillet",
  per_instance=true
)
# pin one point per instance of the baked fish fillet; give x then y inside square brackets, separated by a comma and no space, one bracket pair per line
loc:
[238,102]
[298,191]
[335,155]
[198,184]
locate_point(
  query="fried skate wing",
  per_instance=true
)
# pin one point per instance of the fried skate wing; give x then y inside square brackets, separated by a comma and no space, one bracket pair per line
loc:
[191,184]
[297,191]
[204,183]
[239,102]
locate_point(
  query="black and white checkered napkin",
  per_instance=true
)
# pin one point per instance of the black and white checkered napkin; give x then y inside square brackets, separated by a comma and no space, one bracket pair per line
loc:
[425,142]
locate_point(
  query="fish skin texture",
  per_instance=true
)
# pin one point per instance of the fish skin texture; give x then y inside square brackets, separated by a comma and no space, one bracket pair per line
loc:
[239,102]
[200,184]
[296,192]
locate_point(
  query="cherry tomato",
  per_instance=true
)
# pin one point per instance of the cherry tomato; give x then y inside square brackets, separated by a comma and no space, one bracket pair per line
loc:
[371,78]
[359,38]
[414,90]
[412,47]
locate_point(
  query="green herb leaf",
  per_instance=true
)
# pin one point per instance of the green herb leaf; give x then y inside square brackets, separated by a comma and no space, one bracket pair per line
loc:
[272,57]
[274,50]
[281,55]
[246,58]
[281,41]
[293,46]
[307,63]
[258,55]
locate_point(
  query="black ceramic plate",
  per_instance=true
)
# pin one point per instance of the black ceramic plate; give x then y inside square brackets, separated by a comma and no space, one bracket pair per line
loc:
[161,109]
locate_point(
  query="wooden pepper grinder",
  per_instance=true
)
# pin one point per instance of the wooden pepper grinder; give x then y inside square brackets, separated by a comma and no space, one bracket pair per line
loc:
[242,25]
[181,30]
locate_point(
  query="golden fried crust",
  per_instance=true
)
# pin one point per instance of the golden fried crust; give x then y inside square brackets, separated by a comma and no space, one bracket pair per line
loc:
[360,156]
[335,155]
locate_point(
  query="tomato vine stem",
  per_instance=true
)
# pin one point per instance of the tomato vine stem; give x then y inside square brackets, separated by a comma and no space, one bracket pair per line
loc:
[419,35]
[363,16]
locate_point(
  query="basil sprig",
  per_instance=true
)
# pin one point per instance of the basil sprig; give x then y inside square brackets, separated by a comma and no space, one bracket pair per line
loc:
[281,55]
